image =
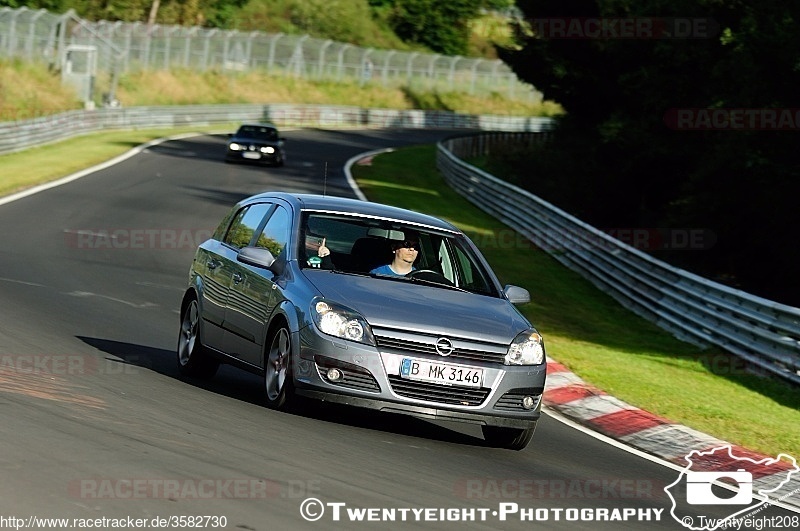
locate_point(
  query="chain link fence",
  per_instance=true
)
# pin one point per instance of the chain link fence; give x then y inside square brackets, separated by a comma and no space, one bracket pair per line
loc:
[118,47]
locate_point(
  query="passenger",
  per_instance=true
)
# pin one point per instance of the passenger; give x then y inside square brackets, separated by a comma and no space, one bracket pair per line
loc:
[325,255]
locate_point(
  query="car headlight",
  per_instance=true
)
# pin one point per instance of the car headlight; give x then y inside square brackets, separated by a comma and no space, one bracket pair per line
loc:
[233,146]
[526,349]
[338,321]
[268,149]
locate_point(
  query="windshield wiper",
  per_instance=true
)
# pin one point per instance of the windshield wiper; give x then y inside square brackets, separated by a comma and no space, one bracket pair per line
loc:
[427,282]
[353,273]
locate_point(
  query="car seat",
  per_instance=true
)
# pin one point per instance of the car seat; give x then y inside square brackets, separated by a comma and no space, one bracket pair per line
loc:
[370,252]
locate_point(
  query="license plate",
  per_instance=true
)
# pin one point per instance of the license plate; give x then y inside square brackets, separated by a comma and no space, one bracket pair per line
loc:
[441,373]
[251,155]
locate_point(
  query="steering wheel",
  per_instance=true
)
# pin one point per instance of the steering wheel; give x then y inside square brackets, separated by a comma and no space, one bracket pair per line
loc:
[417,272]
[429,275]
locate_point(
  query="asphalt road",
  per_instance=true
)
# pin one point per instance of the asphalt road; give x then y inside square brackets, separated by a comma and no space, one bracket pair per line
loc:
[96,424]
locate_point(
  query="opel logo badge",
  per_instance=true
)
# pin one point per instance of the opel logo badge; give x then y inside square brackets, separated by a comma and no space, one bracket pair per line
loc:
[444,346]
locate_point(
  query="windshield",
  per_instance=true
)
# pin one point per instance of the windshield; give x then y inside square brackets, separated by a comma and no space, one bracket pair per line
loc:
[257,132]
[353,244]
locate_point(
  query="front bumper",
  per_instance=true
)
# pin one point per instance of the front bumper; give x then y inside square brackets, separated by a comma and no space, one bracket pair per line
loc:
[371,379]
[255,157]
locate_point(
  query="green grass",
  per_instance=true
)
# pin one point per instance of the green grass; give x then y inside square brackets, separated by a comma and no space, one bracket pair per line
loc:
[36,91]
[39,165]
[592,334]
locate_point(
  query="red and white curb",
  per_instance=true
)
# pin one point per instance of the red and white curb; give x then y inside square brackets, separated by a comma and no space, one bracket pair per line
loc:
[567,394]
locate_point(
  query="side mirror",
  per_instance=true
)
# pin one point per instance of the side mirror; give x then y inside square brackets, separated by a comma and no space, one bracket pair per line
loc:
[516,294]
[263,258]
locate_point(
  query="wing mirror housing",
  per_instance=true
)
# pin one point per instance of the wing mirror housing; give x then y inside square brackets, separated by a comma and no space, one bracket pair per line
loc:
[516,294]
[263,258]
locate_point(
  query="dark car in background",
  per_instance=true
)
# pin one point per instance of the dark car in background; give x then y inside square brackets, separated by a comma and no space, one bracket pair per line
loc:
[257,143]
[286,288]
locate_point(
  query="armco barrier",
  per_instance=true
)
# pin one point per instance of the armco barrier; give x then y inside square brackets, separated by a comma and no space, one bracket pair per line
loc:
[762,332]
[19,135]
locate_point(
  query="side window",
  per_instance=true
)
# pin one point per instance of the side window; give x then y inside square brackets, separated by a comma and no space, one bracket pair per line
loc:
[245,223]
[473,275]
[446,263]
[466,267]
[219,233]
[275,235]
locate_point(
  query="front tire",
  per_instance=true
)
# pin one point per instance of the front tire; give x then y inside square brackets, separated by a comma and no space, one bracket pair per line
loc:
[508,438]
[193,358]
[278,384]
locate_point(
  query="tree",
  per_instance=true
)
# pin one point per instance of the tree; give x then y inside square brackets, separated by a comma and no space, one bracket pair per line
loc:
[215,13]
[151,19]
[622,163]
[442,26]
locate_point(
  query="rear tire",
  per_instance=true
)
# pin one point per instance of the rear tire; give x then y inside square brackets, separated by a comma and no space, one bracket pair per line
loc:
[193,358]
[278,378]
[508,438]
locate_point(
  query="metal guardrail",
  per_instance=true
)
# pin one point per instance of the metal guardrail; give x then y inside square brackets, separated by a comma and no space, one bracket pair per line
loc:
[20,135]
[764,333]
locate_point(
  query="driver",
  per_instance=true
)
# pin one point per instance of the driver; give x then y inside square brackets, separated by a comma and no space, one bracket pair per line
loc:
[405,253]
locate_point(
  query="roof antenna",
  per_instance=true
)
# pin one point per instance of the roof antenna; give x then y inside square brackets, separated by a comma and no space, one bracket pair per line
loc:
[325,180]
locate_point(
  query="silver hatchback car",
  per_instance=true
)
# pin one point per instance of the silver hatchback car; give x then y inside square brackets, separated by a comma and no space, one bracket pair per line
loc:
[363,304]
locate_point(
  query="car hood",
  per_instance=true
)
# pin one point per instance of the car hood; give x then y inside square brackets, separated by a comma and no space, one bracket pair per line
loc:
[422,308]
[250,140]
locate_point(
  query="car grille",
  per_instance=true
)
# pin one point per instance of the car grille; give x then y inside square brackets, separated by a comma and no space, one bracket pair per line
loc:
[355,377]
[420,344]
[512,400]
[443,394]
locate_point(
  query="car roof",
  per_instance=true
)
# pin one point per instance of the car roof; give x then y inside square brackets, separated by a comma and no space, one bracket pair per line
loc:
[258,124]
[355,206]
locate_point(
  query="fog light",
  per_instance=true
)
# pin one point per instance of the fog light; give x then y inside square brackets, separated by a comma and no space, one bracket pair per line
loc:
[335,375]
[528,402]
